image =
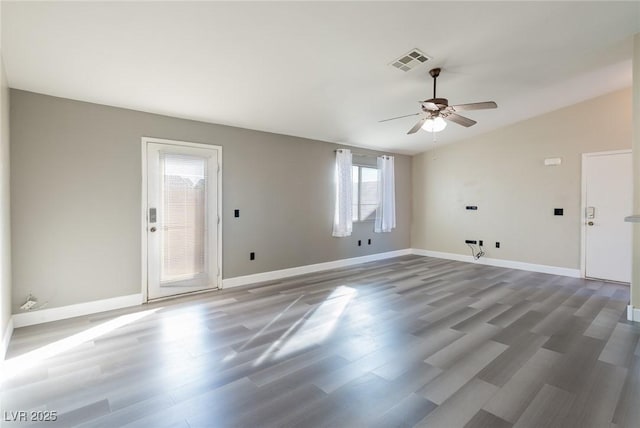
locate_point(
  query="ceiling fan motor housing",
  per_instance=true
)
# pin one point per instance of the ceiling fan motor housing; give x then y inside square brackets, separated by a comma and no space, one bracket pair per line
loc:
[434,105]
[440,102]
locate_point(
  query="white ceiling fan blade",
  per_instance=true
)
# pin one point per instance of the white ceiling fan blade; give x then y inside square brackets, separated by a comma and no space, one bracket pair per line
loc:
[460,120]
[399,117]
[417,126]
[475,106]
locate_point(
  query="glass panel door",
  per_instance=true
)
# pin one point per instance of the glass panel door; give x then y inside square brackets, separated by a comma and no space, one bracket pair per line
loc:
[182,219]
[183,229]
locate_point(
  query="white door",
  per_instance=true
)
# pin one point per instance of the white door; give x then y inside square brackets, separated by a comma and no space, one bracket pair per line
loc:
[608,200]
[182,218]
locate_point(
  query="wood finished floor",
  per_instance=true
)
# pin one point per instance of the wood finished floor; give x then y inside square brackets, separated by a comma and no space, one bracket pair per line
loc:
[410,341]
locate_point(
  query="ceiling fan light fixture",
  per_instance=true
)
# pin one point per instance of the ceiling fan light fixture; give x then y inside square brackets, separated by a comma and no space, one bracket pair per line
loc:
[435,124]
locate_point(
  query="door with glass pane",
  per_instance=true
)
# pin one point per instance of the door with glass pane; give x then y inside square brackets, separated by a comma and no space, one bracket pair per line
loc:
[182,216]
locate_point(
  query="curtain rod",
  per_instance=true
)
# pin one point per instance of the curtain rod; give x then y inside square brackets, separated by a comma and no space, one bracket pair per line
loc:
[362,154]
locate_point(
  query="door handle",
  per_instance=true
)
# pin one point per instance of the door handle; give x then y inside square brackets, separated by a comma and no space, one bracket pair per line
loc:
[153,229]
[590,223]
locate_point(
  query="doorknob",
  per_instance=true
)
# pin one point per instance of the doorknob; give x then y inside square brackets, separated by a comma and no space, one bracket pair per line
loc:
[153,229]
[590,223]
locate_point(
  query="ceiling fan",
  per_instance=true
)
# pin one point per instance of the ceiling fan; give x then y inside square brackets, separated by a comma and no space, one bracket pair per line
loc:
[436,110]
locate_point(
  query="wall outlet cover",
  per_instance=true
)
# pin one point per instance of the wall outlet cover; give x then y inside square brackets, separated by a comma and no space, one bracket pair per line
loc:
[28,305]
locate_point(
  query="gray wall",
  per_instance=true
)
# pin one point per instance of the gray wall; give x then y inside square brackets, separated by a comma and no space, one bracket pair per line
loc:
[502,173]
[635,261]
[5,229]
[76,199]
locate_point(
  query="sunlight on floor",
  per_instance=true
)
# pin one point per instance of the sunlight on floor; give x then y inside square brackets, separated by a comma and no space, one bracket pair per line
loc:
[276,318]
[18,365]
[231,355]
[314,327]
[183,325]
[188,335]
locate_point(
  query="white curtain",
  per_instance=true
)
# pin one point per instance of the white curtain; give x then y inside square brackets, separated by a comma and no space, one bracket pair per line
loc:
[386,211]
[342,220]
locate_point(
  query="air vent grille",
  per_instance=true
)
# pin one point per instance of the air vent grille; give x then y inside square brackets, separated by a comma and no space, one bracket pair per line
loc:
[410,60]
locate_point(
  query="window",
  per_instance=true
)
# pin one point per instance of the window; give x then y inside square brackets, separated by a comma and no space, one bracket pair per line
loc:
[365,192]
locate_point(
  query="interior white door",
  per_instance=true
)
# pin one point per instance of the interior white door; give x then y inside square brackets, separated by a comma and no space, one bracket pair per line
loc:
[608,200]
[182,219]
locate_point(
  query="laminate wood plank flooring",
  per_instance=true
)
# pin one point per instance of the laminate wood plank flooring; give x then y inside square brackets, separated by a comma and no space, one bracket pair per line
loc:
[403,342]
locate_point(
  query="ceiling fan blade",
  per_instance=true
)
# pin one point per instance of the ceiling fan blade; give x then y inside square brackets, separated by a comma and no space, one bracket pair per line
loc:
[399,117]
[475,106]
[429,105]
[460,120]
[417,126]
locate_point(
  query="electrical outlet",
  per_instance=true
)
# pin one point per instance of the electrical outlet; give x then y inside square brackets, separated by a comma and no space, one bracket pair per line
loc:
[28,305]
[497,245]
[359,243]
[480,242]
[252,256]
[369,241]
[470,241]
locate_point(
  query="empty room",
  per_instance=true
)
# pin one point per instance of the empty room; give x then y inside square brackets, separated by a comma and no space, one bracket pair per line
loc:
[320,214]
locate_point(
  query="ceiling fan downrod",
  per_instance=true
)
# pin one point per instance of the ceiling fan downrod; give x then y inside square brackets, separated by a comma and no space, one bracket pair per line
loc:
[434,72]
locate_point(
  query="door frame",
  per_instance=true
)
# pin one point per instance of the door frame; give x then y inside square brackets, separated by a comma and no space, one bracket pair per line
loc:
[583,205]
[145,209]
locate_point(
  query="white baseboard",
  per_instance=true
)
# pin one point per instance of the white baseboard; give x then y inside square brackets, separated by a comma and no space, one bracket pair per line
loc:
[24,319]
[6,337]
[301,270]
[554,270]
[633,314]
[53,314]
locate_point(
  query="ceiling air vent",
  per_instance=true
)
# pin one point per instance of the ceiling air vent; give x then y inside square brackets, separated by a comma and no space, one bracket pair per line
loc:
[410,60]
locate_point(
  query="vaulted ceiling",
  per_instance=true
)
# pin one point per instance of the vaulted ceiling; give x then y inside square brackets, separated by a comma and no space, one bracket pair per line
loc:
[321,69]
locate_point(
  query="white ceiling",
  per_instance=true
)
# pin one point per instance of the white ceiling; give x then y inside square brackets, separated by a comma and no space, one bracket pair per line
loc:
[321,69]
